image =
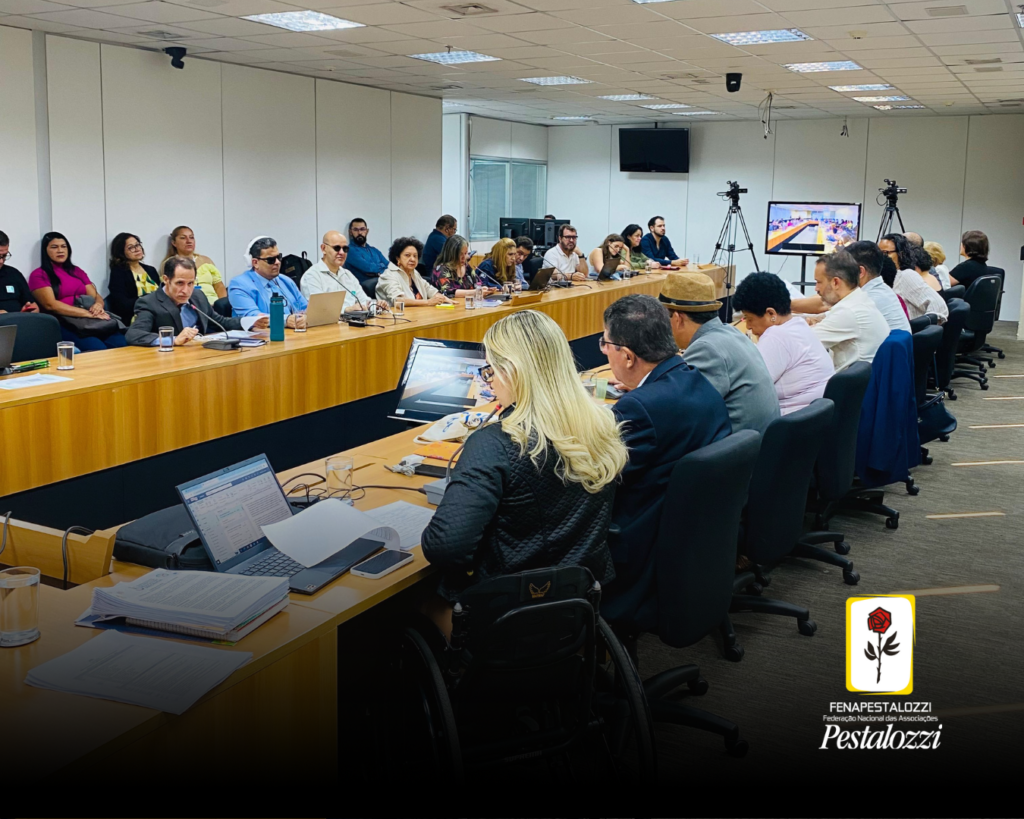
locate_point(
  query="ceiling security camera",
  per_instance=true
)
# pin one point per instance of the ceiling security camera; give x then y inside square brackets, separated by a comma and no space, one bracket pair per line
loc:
[732,82]
[177,55]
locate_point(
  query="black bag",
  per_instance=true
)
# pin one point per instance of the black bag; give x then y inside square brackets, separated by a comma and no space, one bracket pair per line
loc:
[294,266]
[163,540]
[92,327]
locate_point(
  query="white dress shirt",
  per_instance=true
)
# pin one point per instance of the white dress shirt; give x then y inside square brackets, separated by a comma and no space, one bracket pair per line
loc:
[564,264]
[797,363]
[887,302]
[941,272]
[852,330]
[320,279]
[919,297]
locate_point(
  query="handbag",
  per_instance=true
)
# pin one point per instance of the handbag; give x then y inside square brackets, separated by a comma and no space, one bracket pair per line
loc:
[88,326]
[163,540]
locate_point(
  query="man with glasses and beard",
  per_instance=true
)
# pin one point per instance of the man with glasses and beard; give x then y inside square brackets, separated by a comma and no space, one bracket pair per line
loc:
[364,260]
[563,256]
[250,293]
[330,276]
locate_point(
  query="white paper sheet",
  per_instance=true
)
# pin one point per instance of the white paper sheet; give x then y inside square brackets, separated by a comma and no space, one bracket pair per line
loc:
[31,381]
[316,533]
[160,674]
[405,518]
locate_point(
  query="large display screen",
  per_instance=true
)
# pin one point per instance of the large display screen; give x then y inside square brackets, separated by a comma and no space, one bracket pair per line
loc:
[441,377]
[649,150]
[811,228]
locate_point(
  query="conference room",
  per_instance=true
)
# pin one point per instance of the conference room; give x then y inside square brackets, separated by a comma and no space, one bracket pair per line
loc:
[295,304]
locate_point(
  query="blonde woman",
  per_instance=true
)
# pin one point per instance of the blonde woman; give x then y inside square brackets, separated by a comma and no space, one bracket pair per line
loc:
[536,488]
[182,242]
[611,248]
[939,269]
[500,266]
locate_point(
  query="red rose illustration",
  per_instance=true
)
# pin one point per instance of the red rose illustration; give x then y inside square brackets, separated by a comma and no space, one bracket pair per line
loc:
[879,621]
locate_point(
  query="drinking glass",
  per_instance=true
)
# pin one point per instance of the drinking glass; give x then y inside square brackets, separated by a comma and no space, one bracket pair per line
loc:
[600,388]
[479,296]
[300,321]
[338,471]
[19,606]
[65,355]
[166,339]
[471,302]
[399,306]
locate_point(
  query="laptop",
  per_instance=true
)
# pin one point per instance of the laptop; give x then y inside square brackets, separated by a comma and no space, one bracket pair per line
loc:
[324,308]
[229,506]
[542,279]
[611,267]
[7,334]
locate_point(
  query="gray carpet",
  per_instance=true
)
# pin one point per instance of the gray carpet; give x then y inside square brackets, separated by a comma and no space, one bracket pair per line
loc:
[967,651]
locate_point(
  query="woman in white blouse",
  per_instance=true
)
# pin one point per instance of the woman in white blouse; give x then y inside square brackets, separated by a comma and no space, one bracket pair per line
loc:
[799,364]
[401,280]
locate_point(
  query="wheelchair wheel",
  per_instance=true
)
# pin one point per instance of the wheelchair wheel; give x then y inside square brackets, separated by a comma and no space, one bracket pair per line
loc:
[629,717]
[434,709]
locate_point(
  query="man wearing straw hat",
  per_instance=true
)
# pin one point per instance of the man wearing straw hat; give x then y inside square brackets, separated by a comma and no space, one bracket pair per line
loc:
[728,359]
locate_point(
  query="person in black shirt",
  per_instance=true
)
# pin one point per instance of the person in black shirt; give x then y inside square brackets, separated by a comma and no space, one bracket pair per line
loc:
[15,297]
[973,245]
[129,277]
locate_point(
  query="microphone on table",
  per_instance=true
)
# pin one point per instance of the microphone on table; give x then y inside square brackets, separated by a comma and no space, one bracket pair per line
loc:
[225,343]
[435,489]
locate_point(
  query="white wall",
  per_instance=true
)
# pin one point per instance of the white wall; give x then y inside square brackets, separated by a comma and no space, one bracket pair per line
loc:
[962,173]
[455,167]
[233,152]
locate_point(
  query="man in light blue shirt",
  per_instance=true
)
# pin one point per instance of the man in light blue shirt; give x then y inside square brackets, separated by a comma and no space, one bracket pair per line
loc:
[251,292]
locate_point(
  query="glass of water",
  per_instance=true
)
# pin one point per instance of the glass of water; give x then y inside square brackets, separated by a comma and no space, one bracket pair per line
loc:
[166,339]
[479,295]
[19,606]
[471,302]
[338,471]
[399,306]
[300,321]
[65,355]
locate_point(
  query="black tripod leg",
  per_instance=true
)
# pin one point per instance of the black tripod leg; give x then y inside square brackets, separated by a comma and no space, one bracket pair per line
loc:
[900,218]
[750,244]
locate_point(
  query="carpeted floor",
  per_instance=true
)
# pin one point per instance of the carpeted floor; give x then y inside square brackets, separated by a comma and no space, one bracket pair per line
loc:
[967,653]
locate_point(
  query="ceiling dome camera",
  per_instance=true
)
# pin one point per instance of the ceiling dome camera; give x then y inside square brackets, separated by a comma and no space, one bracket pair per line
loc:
[177,55]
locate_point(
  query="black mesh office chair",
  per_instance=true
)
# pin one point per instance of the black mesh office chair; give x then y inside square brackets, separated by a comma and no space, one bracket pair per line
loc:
[37,336]
[955,292]
[988,348]
[223,306]
[981,296]
[921,322]
[834,469]
[945,357]
[695,565]
[517,679]
[774,517]
[926,347]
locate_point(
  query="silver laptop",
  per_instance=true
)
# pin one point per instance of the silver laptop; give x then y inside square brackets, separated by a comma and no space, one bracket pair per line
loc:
[324,308]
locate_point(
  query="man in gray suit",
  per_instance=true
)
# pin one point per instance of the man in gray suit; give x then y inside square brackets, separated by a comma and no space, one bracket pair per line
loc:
[179,304]
[728,359]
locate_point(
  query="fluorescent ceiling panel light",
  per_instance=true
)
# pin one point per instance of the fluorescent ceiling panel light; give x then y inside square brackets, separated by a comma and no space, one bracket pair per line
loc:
[570,119]
[554,80]
[910,106]
[303,21]
[809,68]
[891,98]
[1020,18]
[878,86]
[781,35]
[883,107]
[627,97]
[694,113]
[644,2]
[454,57]
[662,106]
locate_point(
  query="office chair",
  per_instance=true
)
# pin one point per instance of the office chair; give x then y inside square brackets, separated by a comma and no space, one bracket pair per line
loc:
[834,468]
[37,336]
[981,296]
[695,566]
[926,347]
[988,348]
[955,292]
[945,357]
[223,306]
[370,287]
[517,678]
[921,322]
[774,517]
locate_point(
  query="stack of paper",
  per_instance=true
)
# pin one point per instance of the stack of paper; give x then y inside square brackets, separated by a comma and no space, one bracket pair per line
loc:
[196,603]
[158,674]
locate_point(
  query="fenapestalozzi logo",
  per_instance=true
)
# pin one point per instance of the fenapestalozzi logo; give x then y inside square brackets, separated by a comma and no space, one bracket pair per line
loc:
[880,635]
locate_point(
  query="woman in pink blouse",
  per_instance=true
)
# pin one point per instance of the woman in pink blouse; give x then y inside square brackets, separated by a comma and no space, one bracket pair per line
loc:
[57,283]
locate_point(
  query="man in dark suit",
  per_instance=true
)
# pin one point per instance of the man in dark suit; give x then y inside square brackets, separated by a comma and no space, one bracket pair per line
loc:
[179,304]
[670,409]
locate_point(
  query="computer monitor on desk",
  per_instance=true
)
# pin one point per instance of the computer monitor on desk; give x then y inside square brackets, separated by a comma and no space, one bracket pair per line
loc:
[439,378]
[544,232]
[512,227]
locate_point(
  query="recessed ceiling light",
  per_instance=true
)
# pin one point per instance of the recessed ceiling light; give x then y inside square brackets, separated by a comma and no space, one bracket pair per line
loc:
[878,86]
[627,97]
[782,35]
[454,57]
[883,107]
[303,21]
[808,68]
[554,80]
[1020,18]
[642,2]
[664,105]
[693,113]
[910,106]
[572,119]
[891,98]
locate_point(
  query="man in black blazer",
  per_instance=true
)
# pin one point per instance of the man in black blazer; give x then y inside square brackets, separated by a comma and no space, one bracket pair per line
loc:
[178,304]
[670,409]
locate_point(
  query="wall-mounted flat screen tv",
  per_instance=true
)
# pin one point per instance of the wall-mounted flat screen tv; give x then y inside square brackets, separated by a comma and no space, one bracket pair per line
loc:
[811,228]
[654,150]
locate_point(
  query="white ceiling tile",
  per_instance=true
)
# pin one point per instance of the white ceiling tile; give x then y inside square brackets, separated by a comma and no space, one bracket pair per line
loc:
[697,9]
[524,52]
[222,44]
[603,47]
[437,30]
[410,46]
[18,21]
[840,16]
[229,27]
[868,29]
[901,62]
[487,43]
[609,16]
[158,12]
[238,8]
[30,6]
[958,38]
[384,14]
[510,24]
[91,4]
[983,50]
[366,34]
[784,6]
[848,45]
[989,23]
[750,22]
[288,39]
[565,5]
[85,18]
[563,63]
[888,53]
[917,10]
[562,35]
[141,27]
[438,7]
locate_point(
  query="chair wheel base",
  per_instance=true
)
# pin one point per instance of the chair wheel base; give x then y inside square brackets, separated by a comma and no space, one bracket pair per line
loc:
[913,488]
[733,653]
[699,687]
[842,547]
[1002,355]
[737,748]
[806,627]
[755,589]
[892,522]
[927,460]
[851,577]
[984,386]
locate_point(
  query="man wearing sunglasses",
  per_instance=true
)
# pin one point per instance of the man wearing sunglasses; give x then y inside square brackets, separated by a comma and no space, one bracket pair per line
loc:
[251,292]
[330,276]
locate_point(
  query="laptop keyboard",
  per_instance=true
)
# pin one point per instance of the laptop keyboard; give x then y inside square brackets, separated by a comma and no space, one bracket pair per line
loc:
[275,564]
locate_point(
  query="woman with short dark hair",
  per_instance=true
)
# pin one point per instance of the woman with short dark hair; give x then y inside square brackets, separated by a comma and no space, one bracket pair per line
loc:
[129,277]
[631,252]
[798,363]
[401,279]
[973,245]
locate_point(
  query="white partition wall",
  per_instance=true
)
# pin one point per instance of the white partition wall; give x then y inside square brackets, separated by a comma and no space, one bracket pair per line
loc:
[163,151]
[19,213]
[579,163]
[415,165]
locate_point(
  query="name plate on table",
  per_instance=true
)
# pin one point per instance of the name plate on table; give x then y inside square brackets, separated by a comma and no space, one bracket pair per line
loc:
[521,299]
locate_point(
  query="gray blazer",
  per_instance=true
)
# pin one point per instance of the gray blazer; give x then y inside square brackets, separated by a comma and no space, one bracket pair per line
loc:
[157,309]
[731,362]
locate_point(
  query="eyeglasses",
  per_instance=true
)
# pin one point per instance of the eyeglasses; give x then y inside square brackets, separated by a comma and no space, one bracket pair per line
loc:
[486,373]
[569,237]
[5,256]
[339,248]
[363,229]
[603,342]
[133,247]
[272,260]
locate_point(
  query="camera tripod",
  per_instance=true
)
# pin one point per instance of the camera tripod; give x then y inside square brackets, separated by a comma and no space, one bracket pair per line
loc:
[891,209]
[733,221]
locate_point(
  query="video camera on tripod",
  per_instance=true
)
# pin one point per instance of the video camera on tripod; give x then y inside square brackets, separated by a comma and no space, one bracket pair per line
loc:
[733,193]
[891,193]
[891,190]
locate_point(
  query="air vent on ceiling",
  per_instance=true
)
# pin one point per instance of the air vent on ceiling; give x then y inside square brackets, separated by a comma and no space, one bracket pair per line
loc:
[343,52]
[784,107]
[159,34]
[445,87]
[1013,101]
[986,61]
[989,69]
[470,9]
[1010,105]
[946,11]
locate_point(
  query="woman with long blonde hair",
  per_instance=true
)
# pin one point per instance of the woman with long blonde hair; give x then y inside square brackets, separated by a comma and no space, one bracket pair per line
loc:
[535,489]
[500,266]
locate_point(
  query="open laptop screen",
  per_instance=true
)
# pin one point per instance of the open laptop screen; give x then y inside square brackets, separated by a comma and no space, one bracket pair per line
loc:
[441,377]
[229,506]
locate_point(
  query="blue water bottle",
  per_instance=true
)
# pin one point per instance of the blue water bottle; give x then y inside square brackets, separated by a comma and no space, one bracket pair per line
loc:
[277,317]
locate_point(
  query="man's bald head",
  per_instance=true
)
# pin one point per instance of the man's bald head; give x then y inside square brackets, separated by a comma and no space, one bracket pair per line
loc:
[335,249]
[914,239]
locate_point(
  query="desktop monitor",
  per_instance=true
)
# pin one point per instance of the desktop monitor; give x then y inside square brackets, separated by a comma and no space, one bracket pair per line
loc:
[439,378]
[510,227]
[544,232]
[811,228]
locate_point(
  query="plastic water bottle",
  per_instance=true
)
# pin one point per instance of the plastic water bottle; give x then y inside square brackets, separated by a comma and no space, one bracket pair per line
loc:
[276,317]
[478,296]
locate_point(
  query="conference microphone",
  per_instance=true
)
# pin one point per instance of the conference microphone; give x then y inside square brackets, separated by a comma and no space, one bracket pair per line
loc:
[435,489]
[218,343]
